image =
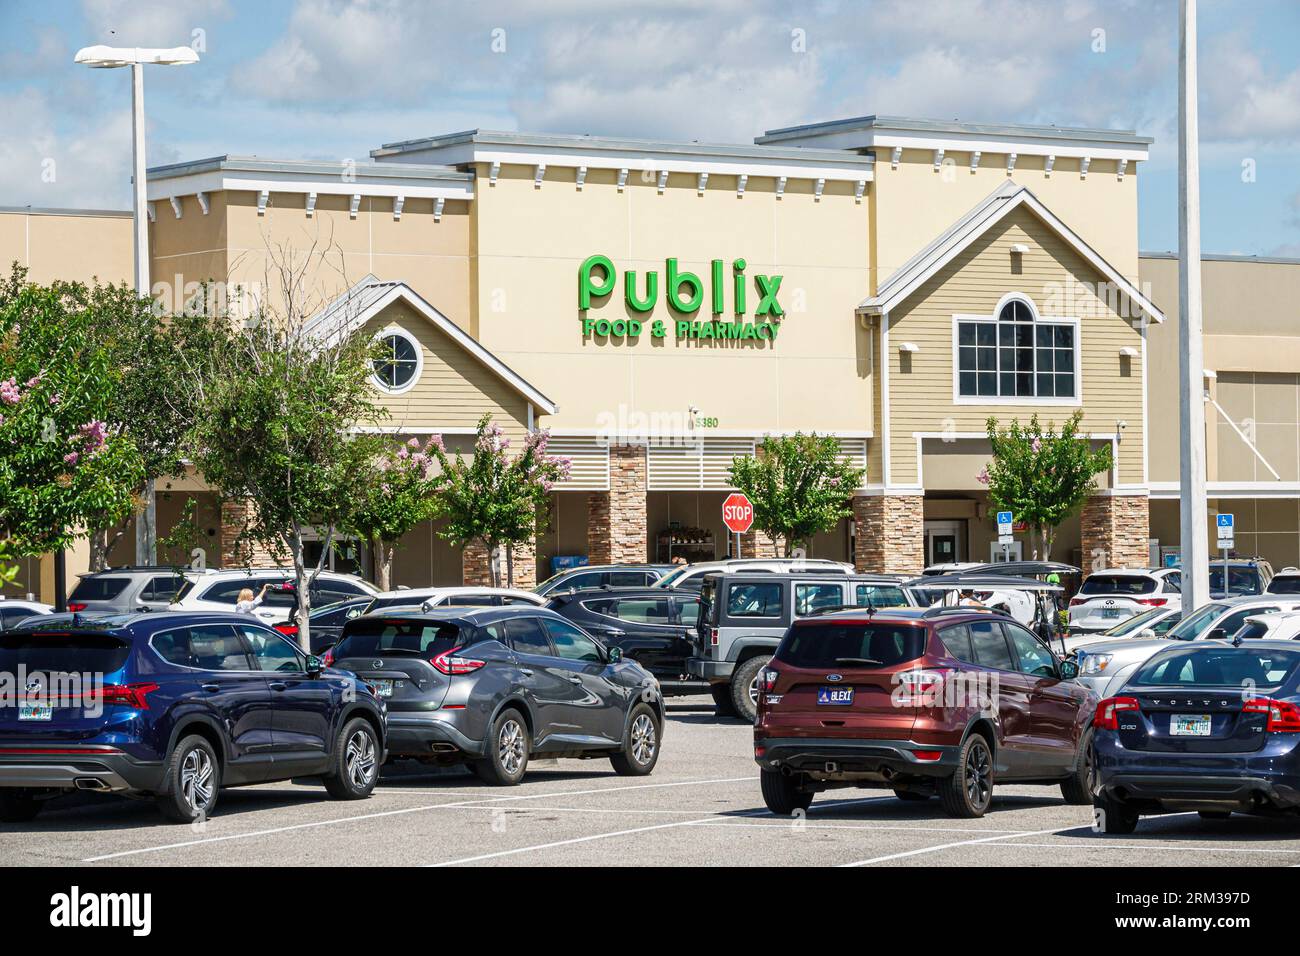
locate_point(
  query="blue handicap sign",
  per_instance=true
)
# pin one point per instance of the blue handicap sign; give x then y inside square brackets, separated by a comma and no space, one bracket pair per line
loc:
[1004,517]
[1223,520]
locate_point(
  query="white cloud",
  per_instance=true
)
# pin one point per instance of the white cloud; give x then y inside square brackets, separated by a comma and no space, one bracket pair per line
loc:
[134,23]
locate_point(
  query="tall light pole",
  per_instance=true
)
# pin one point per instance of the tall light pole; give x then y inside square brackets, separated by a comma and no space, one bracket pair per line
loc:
[107,58]
[1191,364]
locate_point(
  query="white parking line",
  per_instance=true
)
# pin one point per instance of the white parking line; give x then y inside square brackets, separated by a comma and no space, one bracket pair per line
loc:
[959,843]
[389,813]
[1154,844]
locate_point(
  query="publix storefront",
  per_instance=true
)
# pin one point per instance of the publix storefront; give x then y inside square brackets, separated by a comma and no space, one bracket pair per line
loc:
[660,307]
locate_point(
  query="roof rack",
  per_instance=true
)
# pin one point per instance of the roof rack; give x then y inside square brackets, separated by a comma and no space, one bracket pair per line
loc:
[939,611]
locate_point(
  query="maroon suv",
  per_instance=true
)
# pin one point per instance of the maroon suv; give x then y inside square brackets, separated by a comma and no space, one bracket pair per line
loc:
[923,702]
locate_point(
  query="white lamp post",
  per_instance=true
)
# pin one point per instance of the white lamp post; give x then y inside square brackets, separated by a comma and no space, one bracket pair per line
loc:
[107,58]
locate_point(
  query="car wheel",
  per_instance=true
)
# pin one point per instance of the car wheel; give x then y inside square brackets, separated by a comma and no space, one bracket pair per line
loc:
[782,794]
[911,796]
[355,763]
[969,791]
[1111,816]
[640,744]
[744,687]
[18,807]
[1077,790]
[507,752]
[722,700]
[191,781]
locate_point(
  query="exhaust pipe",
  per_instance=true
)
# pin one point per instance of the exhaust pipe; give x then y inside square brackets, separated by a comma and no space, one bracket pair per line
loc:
[442,747]
[90,783]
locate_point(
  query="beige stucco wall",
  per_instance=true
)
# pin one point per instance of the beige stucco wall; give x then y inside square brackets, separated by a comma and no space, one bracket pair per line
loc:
[974,282]
[1252,343]
[67,245]
[915,203]
[530,242]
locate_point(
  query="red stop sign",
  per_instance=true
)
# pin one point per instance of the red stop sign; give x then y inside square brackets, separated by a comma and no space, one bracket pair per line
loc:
[737,513]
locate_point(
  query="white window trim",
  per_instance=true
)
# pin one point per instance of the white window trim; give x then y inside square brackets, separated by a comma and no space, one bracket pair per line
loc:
[959,317]
[397,330]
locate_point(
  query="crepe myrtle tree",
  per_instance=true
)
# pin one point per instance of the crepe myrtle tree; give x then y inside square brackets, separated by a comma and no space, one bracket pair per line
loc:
[1042,475]
[283,419]
[62,469]
[394,496]
[799,486]
[495,498]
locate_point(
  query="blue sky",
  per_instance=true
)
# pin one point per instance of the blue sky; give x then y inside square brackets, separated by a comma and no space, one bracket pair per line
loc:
[335,78]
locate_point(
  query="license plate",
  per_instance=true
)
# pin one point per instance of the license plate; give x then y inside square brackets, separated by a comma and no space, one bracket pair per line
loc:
[1189,725]
[35,711]
[383,688]
[835,695]
[1110,612]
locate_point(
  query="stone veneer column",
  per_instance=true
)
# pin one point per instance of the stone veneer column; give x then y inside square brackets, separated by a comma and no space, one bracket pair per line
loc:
[755,544]
[234,552]
[476,572]
[890,533]
[616,519]
[1115,532]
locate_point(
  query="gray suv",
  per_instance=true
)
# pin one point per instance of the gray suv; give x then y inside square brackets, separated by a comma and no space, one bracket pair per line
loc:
[127,589]
[744,615]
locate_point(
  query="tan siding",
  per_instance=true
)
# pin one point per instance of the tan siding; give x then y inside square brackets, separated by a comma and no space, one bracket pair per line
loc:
[974,282]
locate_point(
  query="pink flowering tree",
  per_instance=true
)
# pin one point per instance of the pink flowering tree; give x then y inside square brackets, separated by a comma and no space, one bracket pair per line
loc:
[799,487]
[495,497]
[394,496]
[1042,475]
[62,471]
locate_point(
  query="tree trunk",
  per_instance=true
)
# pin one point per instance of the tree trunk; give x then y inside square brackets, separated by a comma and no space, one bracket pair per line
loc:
[510,564]
[493,578]
[99,549]
[303,589]
[383,551]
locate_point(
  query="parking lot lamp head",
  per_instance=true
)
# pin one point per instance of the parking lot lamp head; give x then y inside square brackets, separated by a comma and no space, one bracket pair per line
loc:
[109,57]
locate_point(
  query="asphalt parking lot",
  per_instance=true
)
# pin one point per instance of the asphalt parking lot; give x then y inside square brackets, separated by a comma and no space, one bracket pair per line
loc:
[700,807]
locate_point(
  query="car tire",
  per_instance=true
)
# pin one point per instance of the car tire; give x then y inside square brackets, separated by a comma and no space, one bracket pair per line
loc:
[1113,817]
[969,791]
[1077,789]
[911,796]
[782,794]
[744,682]
[722,700]
[641,740]
[355,761]
[18,807]
[191,781]
[507,751]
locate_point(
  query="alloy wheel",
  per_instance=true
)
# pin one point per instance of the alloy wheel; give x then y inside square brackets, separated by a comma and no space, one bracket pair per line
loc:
[510,747]
[643,739]
[978,774]
[359,757]
[196,780]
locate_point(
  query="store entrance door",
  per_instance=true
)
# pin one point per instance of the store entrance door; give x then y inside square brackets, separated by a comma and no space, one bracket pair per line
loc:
[944,542]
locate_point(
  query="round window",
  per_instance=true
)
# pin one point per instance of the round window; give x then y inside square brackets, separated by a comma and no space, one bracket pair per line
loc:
[398,362]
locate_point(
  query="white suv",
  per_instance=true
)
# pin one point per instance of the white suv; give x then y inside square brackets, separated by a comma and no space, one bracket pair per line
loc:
[214,590]
[1110,597]
[462,596]
[691,576]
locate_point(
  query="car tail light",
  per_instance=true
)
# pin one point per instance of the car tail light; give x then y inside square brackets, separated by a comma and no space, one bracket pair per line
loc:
[713,636]
[924,684]
[767,678]
[448,663]
[75,606]
[1074,601]
[927,754]
[760,753]
[328,659]
[1108,710]
[129,695]
[1283,716]
[288,630]
[1153,602]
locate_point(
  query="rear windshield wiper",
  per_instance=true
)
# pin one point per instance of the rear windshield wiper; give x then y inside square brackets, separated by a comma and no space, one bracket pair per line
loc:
[859,660]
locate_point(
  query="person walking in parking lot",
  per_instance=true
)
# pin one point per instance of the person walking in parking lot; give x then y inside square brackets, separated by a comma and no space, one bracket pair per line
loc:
[247,604]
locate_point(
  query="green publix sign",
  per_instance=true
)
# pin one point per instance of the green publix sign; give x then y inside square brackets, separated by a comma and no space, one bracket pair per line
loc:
[684,293]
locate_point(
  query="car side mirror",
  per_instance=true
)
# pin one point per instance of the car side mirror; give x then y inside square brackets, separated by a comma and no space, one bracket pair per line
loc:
[314,666]
[1217,634]
[615,654]
[1068,670]
[1146,633]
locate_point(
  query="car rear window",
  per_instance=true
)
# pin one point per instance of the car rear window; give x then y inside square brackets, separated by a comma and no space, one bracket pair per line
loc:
[851,645]
[1219,667]
[1286,584]
[71,652]
[1118,584]
[365,638]
[879,595]
[1240,581]
[754,600]
[98,589]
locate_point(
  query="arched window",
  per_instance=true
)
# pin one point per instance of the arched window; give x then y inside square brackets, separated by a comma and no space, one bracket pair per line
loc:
[1016,354]
[398,365]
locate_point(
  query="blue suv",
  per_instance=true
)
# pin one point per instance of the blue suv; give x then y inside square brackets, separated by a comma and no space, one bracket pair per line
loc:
[175,705]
